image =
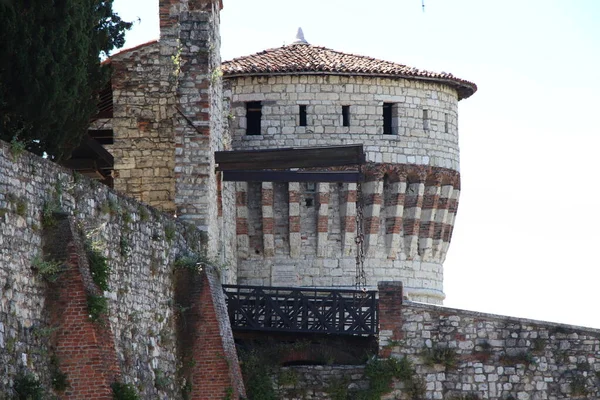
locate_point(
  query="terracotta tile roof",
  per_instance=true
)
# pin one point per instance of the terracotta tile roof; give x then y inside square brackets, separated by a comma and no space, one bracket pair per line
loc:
[300,58]
[128,50]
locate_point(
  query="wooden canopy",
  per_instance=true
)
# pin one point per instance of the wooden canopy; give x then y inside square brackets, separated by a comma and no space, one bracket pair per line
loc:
[273,165]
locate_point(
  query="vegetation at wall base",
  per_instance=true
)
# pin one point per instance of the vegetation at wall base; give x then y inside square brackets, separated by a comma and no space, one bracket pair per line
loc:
[381,372]
[124,391]
[58,378]
[27,387]
[50,71]
[258,367]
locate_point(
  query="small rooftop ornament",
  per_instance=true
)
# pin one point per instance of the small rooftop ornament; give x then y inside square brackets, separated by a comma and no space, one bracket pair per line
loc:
[300,37]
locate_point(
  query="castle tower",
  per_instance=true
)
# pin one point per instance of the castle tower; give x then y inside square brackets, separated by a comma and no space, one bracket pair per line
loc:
[168,121]
[303,234]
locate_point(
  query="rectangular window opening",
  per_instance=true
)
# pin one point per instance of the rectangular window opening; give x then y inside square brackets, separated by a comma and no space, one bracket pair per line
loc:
[425,120]
[253,117]
[302,115]
[387,118]
[345,115]
[446,123]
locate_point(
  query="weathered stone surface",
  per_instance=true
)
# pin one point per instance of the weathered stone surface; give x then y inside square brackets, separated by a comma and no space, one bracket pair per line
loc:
[141,245]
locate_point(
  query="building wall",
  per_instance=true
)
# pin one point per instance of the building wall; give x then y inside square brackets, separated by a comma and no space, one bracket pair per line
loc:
[169,120]
[303,234]
[141,246]
[458,354]
[324,96]
[144,146]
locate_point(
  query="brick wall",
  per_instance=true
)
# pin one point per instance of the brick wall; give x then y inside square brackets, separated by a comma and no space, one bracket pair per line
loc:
[85,349]
[216,371]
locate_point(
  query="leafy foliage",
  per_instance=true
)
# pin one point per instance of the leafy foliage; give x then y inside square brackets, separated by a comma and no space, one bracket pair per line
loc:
[58,378]
[50,71]
[28,387]
[440,355]
[97,306]
[99,267]
[257,368]
[49,270]
[381,372]
[123,391]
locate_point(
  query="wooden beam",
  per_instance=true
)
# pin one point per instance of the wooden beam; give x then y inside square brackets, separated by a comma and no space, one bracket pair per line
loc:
[291,176]
[102,153]
[79,164]
[306,157]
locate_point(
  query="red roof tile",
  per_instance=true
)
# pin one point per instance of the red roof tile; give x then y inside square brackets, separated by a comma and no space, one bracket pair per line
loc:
[128,50]
[306,59]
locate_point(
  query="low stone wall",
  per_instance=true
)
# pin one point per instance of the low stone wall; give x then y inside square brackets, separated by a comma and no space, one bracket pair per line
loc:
[319,382]
[462,354]
[140,245]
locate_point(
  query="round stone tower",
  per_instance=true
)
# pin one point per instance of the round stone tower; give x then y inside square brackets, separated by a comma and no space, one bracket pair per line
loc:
[303,234]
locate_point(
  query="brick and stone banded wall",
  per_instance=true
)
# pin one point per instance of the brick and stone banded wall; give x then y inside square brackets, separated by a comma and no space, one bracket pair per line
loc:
[143,111]
[169,119]
[141,245]
[496,357]
[416,140]
[297,234]
[199,120]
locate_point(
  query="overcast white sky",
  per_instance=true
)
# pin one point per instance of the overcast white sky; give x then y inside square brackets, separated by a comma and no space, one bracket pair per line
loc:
[528,219]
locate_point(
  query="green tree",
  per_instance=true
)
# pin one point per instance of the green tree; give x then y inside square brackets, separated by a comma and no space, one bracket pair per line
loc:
[50,70]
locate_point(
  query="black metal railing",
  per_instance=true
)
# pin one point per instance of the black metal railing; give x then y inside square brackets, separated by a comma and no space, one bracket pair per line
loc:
[285,309]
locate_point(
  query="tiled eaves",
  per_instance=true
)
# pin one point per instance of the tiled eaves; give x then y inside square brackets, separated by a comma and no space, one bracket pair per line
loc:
[306,59]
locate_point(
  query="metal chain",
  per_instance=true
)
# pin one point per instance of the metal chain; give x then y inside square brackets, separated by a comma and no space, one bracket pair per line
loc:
[361,279]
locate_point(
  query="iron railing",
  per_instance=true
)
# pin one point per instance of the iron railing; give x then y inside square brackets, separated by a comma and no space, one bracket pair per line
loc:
[286,309]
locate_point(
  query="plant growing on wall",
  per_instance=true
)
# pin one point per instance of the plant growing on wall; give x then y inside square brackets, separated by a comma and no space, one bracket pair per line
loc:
[97,306]
[190,261]
[380,374]
[99,267]
[440,355]
[58,378]
[522,357]
[17,147]
[170,232]
[124,391]
[49,270]
[28,387]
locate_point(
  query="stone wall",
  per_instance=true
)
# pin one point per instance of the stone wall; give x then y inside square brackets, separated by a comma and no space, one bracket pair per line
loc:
[319,382]
[169,120]
[464,353]
[416,140]
[409,199]
[142,123]
[141,246]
